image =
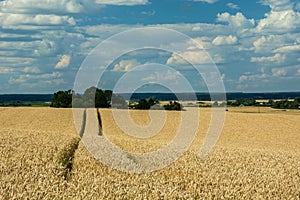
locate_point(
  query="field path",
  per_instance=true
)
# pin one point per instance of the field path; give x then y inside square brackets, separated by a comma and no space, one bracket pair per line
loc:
[101,148]
[112,155]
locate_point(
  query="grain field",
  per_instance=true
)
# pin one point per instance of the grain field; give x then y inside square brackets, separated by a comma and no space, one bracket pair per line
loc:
[257,157]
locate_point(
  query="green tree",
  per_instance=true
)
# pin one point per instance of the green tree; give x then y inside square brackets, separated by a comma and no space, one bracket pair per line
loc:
[286,104]
[95,97]
[173,106]
[102,98]
[62,99]
[245,102]
[92,97]
[145,104]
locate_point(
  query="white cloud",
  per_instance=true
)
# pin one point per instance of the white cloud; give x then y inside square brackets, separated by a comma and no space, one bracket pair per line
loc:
[264,44]
[289,48]
[6,70]
[123,2]
[64,62]
[238,20]
[279,22]
[31,70]
[149,13]
[253,77]
[49,76]
[21,79]
[233,6]
[278,58]
[28,77]
[16,61]
[279,71]
[205,42]
[225,40]
[243,78]
[60,7]
[163,76]
[278,5]
[273,42]
[8,20]
[194,57]
[207,1]
[126,65]
[39,7]
[44,47]
[106,30]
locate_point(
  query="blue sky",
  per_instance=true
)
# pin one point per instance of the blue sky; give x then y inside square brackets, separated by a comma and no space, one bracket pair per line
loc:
[254,44]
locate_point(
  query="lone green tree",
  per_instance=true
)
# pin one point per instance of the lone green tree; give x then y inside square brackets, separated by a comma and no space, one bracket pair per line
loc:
[62,99]
[92,97]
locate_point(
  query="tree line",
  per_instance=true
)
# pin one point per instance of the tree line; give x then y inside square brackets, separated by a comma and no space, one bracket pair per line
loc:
[281,104]
[286,104]
[96,98]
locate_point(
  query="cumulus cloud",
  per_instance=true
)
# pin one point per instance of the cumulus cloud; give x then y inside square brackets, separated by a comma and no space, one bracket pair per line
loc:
[238,20]
[28,77]
[165,75]
[23,19]
[233,6]
[253,77]
[126,65]
[123,2]
[265,43]
[193,57]
[61,7]
[21,79]
[278,5]
[64,62]
[225,40]
[279,71]
[205,42]
[288,48]
[276,43]
[31,70]
[207,1]
[277,58]
[279,22]
[15,61]
[38,7]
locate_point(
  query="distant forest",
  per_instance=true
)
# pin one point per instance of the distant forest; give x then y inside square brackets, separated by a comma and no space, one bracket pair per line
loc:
[103,98]
[201,96]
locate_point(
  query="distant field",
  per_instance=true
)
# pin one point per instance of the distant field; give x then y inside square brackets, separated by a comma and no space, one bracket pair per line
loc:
[257,156]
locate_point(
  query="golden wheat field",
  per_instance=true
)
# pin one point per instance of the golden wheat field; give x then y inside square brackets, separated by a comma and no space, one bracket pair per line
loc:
[256,157]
